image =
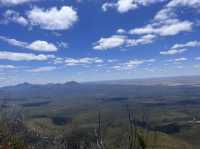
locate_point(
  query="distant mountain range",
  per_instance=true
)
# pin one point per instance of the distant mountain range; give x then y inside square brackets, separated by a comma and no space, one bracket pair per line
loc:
[121,88]
[170,81]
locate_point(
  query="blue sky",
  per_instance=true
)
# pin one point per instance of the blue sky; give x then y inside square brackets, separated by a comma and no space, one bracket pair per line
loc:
[88,40]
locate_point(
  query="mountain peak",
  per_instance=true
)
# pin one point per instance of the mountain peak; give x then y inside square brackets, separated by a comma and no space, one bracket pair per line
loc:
[24,84]
[72,83]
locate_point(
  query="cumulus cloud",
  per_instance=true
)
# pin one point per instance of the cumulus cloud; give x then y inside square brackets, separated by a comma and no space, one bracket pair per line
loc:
[169,11]
[82,61]
[14,2]
[110,42]
[50,19]
[168,29]
[43,69]
[42,46]
[37,45]
[15,56]
[141,41]
[121,31]
[117,41]
[166,22]
[123,6]
[13,16]
[53,18]
[107,5]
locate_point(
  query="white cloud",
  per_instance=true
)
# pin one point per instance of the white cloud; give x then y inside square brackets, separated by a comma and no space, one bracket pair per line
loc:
[180,48]
[83,61]
[49,19]
[123,6]
[132,64]
[37,45]
[180,59]
[7,67]
[191,3]
[15,56]
[53,18]
[197,58]
[164,14]
[13,42]
[169,11]
[43,69]
[175,28]
[121,31]
[58,60]
[173,51]
[135,62]
[117,67]
[13,16]
[107,5]
[177,60]
[117,41]
[110,42]
[62,44]
[166,21]
[112,60]
[190,44]
[168,29]
[42,46]
[141,41]
[14,2]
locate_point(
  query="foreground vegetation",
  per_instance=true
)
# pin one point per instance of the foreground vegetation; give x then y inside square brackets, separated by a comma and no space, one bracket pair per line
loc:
[14,134]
